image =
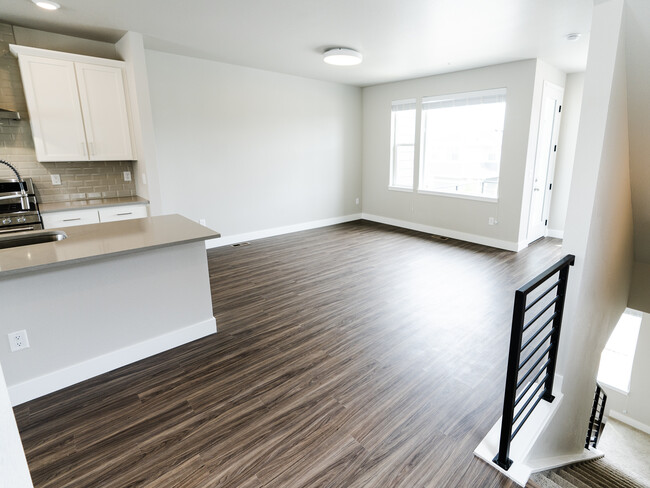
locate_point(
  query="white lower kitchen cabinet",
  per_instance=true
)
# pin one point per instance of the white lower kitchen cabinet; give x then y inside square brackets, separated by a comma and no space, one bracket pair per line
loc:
[125,212]
[66,218]
[70,217]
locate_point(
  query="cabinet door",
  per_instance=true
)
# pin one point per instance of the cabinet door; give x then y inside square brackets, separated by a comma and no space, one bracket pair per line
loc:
[124,212]
[67,218]
[103,101]
[54,109]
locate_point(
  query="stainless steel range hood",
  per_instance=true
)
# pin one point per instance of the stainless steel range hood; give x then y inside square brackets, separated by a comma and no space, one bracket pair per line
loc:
[9,114]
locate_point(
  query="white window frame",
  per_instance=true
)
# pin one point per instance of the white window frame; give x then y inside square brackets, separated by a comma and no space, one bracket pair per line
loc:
[412,104]
[461,99]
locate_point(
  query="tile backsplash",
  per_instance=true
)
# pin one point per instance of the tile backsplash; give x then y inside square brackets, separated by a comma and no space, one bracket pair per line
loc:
[79,180]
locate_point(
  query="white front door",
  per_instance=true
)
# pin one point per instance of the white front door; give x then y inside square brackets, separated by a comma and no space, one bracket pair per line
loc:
[547,135]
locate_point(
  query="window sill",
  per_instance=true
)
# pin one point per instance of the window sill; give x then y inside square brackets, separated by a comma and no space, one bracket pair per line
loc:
[400,188]
[460,195]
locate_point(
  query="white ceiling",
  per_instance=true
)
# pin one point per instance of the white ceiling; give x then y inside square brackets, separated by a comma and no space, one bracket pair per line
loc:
[399,39]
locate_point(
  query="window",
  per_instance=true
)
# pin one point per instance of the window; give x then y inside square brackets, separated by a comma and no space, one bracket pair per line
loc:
[402,137]
[461,143]
[616,359]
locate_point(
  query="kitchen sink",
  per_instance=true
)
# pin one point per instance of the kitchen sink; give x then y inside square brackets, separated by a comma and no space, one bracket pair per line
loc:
[31,237]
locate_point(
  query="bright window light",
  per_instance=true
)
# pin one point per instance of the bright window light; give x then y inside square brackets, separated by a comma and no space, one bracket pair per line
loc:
[461,143]
[618,356]
[402,155]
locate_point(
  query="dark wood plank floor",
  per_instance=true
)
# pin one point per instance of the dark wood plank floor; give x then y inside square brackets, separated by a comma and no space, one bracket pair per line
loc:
[357,355]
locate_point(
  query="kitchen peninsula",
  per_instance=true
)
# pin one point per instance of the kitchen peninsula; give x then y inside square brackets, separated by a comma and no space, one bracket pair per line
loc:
[106,296]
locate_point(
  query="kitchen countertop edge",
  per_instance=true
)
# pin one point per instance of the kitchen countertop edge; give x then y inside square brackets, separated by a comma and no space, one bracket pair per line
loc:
[99,241]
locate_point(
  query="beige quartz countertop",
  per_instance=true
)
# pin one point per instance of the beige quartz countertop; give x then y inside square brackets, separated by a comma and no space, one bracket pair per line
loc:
[93,203]
[95,241]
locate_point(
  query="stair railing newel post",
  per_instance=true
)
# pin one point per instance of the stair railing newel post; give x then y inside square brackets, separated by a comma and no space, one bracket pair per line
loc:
[516,335]
[557,325]
[514,377]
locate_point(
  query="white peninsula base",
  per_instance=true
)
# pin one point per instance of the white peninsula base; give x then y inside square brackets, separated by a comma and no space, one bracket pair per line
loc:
[92,316]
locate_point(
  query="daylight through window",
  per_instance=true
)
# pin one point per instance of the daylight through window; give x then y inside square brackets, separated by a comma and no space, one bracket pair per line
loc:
[461,143]
[616,359]
[402,154]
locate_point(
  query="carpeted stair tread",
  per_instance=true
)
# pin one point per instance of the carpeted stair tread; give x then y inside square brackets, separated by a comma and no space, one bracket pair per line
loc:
[572,479]
[542,481]
[601,473]
[562,481]
[590,474]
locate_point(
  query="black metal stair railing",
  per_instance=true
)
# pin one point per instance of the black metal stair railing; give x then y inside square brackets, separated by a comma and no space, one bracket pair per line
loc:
[530,380]
[596,423]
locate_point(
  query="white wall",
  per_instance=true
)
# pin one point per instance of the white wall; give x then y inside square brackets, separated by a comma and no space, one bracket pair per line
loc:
[453,216]
[145,170]
[14,472]
[248,149]
[639,298]
[60,42]
[636,404]
[566,152]
[598,231]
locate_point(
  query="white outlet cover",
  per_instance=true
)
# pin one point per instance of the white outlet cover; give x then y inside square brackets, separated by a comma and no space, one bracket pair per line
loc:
[18,340]
[56,179]
[127,176]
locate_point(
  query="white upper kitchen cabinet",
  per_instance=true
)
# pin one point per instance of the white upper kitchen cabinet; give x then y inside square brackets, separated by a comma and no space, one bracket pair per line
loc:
[77,106]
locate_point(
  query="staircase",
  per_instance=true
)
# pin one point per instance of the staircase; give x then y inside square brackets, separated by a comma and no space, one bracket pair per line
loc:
[591,474]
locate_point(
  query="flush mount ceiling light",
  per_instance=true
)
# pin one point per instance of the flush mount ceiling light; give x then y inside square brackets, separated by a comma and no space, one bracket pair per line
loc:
[340,56]
[574,36]
[47,4]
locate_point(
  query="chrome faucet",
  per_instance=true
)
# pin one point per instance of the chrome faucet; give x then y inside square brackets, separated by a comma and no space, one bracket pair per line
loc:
[24,202]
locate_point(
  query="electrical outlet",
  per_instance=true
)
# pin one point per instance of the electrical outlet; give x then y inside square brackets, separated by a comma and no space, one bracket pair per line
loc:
[144,178]
[357,201]
[127,176]
[56,179]
[18,340]
[492,221]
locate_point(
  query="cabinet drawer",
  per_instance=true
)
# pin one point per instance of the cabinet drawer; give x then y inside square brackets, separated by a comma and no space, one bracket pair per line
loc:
[125,212]
[71,217]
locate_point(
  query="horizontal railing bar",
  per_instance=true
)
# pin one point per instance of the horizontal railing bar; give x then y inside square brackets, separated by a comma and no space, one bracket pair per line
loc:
[542,312]
[567,260]
[532,382]
[532,368]
[529,399]
[537,347]
[539,399]
[534,302]
[537,332]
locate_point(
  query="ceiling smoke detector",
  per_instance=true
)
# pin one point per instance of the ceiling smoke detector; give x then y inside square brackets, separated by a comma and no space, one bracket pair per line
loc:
[47,4]
[341,56]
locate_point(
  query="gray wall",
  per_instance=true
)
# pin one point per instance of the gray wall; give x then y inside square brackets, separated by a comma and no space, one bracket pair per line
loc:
[249,150]
[456,216]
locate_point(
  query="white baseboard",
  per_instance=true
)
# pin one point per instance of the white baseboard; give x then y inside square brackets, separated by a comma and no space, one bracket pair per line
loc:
[463,236]
[276,231]
[629,421]
[558,234]
[62,378]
